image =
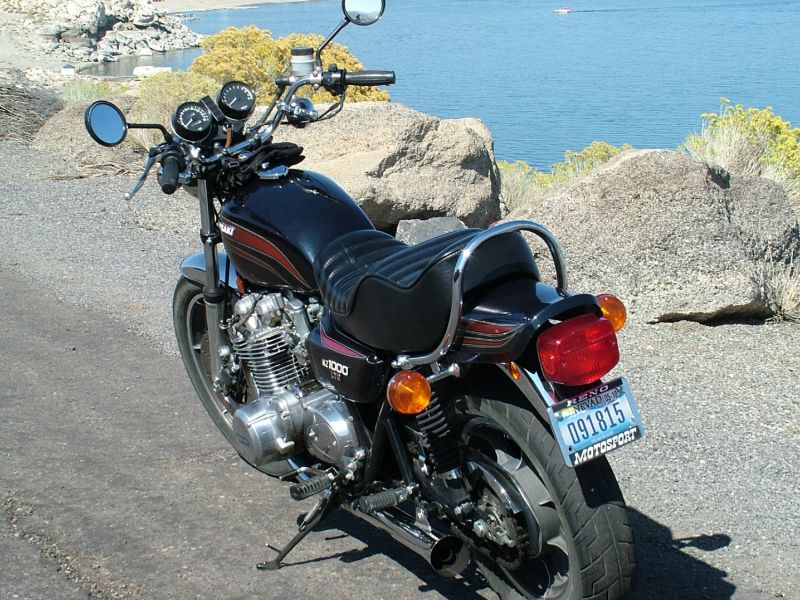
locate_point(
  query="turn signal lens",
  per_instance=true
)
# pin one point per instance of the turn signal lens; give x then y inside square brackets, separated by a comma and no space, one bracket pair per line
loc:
[409,393]
[613,310]
[578,351]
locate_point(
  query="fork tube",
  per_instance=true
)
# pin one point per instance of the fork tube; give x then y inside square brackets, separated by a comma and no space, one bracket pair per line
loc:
[213,293]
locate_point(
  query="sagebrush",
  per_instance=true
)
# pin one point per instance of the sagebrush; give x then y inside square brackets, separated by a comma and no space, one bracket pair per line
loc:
[252,55]
[86,90]
[777,285]
[521,182]
[750,141]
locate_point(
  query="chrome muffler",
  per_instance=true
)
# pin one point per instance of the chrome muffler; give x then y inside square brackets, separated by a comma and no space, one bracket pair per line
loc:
[447,554]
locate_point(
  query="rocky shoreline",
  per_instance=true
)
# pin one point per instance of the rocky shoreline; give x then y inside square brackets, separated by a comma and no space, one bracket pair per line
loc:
[89,31]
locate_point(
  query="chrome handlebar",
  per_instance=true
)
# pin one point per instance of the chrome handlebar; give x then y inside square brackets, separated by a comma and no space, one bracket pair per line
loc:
[457,299]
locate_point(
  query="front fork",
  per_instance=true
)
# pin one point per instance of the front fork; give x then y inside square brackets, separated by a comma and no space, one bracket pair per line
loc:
[214,294]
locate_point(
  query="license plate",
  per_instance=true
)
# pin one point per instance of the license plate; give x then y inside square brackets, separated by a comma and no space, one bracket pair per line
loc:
[596,422]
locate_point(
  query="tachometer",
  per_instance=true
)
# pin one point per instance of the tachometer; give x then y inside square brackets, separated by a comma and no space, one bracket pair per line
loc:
[237,100]
[192,122]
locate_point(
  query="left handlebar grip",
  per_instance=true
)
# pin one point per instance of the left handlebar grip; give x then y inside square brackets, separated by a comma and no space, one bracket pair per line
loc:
[170,169]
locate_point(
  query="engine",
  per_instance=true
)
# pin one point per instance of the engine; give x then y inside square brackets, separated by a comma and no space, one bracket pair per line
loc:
[292,412]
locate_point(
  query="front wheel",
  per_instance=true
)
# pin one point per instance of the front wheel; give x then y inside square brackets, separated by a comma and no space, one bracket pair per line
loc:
[570,529]
[191,332]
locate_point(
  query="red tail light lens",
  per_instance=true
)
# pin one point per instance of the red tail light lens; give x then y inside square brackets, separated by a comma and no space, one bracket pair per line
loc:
[578,351]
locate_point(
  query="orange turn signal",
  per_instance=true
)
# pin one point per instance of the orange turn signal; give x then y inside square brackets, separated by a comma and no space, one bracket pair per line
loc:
[409,392]
[613,310]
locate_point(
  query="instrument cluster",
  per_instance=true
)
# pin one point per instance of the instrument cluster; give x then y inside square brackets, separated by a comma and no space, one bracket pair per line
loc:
[195,122]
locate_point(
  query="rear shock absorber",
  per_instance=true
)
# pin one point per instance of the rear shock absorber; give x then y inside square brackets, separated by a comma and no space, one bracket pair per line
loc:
[441,442]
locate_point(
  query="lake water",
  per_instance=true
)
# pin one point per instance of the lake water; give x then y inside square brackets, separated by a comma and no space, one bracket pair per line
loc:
[635,71]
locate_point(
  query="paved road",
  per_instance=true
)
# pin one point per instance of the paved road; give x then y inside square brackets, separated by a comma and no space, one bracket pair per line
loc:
[115,484]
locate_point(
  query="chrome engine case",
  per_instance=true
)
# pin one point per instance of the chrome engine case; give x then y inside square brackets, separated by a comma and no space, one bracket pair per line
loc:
[277,427]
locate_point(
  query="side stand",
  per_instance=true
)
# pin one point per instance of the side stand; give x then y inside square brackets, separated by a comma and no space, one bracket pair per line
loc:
[321,509]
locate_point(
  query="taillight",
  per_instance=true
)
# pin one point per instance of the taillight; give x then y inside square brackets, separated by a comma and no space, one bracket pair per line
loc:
[578,351]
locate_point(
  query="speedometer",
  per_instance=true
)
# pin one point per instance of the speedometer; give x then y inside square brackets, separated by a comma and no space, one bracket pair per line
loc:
[237,100]
[192,122]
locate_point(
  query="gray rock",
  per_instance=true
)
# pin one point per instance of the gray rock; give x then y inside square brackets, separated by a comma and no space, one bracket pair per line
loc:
[402,164]
[673,238]
[414,231]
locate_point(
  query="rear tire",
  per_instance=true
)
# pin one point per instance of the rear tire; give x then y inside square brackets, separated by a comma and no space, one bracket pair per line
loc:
[189,320]
[596,557]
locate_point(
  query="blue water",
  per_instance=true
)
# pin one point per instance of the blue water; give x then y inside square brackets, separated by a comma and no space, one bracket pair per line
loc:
[635,71]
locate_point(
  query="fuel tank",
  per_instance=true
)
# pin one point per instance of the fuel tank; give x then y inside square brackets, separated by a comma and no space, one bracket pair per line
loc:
[273,230]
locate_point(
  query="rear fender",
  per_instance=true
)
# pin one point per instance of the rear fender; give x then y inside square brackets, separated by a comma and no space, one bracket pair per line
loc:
[499,324]
[193,268]
[496,382]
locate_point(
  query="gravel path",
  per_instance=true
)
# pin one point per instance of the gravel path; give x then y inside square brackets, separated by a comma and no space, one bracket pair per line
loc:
[713,488]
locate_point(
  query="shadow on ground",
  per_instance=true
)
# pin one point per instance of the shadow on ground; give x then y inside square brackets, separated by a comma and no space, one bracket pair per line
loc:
[665,571]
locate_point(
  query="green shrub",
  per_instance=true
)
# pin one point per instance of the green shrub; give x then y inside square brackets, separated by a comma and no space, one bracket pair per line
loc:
[252,55]
[750,141]
[520,182]
[84,90]
[160,95]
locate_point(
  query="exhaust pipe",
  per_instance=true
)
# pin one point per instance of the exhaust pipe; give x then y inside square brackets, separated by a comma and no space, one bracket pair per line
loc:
[447,554]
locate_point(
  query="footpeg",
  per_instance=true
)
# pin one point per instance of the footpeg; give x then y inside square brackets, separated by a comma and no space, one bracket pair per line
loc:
[381,500]
[309,487]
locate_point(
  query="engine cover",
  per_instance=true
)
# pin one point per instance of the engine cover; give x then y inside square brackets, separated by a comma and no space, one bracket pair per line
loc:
[279,426]
[330,433]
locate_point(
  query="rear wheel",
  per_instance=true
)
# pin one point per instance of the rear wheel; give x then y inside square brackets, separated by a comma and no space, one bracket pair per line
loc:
[565,532]
[191,332]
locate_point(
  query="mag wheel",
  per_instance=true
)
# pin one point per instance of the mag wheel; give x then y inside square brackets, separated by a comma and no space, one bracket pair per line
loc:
[549,531]
[191,331]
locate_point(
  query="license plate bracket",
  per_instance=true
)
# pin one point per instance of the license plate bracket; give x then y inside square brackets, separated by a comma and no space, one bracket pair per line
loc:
[596,422]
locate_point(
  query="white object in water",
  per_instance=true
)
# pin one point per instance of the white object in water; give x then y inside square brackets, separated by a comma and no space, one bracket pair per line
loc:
[68,70]
[149,71]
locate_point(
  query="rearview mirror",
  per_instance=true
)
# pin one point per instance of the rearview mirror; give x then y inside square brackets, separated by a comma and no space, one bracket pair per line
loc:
[363,12]
[105,123]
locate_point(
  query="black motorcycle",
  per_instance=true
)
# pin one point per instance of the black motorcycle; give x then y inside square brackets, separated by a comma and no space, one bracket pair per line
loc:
[440,392]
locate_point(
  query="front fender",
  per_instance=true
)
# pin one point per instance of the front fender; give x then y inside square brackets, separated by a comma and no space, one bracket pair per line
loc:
[194,268]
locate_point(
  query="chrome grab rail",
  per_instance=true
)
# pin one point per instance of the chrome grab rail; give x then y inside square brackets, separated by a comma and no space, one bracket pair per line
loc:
[407,362]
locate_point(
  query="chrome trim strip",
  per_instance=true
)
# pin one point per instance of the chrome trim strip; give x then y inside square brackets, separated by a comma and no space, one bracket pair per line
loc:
[456,305]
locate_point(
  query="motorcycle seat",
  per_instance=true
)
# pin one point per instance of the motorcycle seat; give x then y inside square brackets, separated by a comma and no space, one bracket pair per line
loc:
[396,297]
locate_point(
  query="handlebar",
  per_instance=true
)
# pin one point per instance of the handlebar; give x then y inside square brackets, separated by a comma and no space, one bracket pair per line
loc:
[171,166]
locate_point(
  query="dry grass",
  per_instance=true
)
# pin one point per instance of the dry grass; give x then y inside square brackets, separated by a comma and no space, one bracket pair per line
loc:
[729,147]
[778,286]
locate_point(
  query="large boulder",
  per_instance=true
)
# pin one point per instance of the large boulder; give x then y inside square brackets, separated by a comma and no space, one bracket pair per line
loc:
[65,135]
[674,238]
[402,164]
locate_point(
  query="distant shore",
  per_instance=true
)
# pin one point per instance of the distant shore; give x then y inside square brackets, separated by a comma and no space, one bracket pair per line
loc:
[190,6]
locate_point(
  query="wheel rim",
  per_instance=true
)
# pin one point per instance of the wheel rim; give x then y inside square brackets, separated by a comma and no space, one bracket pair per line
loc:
[546,575]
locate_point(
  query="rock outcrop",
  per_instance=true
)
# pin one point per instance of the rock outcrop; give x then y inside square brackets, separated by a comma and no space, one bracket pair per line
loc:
[402,164]
[101,30]
[674,238]
[64,135]
[414,231]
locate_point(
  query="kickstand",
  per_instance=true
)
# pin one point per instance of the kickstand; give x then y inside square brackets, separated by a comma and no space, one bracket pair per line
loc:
[319,511]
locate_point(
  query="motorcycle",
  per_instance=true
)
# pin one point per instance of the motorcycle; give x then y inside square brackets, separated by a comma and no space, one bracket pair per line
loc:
[441,392]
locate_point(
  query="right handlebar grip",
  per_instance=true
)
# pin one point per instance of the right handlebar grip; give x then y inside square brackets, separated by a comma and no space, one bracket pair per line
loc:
[170,169]
[369,78]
